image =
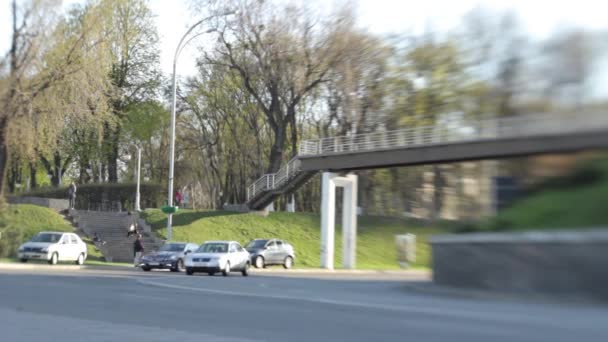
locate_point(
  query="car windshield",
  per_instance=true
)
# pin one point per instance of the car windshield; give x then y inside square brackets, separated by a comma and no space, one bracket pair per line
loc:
[47,237]
[214,247]
[256,244]
[172,247]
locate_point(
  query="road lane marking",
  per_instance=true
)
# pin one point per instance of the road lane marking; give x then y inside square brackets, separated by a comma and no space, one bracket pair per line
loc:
[502,317]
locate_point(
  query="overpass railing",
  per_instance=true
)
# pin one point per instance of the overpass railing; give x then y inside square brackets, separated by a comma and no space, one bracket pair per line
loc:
[494,128]
[274,181]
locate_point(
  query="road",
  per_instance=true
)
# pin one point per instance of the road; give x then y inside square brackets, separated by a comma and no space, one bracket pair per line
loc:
[159,306]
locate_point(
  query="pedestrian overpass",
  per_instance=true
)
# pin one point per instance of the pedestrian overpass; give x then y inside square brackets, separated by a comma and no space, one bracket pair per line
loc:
[493,138]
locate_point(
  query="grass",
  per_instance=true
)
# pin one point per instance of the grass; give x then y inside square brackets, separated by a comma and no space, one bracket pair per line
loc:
[20,222]
[376,247]
[575,201]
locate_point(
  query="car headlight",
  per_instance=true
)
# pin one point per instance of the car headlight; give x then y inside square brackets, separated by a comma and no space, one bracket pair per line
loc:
[173,257]
[44,250]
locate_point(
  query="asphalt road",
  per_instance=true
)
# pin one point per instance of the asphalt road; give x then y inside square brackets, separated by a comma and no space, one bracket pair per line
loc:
[128,306]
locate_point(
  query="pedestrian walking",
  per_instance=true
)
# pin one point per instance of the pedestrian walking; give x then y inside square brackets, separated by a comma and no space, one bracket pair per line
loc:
[138,250]
[178,198]
[72,195]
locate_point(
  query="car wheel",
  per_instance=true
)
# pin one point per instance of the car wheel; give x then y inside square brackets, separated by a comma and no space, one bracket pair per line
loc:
[288,263]
[245,270]
[259,262]
[23,260]
[80,259]
[226,270]
[180,265]
[54,259]
[146,268]
[189,271]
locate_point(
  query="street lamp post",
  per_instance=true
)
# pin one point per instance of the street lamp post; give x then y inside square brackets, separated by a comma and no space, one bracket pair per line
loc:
[137,194]
[178,50]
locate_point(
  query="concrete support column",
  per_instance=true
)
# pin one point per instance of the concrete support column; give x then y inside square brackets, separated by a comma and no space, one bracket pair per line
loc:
[349,219]
[349,223]
[291,205]
[328,209]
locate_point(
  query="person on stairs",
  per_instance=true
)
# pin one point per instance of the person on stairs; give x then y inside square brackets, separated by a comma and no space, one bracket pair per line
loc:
[132,229]
[97,239]
[138,250]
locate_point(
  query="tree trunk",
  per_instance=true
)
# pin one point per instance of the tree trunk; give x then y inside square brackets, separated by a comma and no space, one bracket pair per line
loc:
[276,152]
[33,181]
[3,154]
[113,163]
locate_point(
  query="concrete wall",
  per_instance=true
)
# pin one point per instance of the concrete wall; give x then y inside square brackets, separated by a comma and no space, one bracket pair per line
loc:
[569,263]
[52,203]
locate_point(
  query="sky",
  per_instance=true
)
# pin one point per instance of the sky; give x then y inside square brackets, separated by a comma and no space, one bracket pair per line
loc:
[540,18]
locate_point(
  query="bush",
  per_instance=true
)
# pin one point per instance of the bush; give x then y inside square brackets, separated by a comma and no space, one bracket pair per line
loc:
[92,196]
[590,172]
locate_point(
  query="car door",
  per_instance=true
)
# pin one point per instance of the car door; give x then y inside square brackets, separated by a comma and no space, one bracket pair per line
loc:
[281,251]
[243,255]
[233,256]
[238,256]
[271,252]
[65,249]
[80,247]
[74,246]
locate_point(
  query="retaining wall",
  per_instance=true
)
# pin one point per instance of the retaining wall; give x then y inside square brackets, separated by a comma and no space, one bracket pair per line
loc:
[570,263]
[52,203]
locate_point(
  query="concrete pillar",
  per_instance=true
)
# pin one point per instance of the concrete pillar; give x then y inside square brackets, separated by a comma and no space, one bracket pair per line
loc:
[349,223]
[328,207]
[291,205]
[349,219]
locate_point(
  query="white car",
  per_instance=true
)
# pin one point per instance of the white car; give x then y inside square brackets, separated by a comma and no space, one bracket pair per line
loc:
[218,256]
[54,247]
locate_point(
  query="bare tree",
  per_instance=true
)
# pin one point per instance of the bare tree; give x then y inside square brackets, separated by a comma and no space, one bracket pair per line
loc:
[281,53]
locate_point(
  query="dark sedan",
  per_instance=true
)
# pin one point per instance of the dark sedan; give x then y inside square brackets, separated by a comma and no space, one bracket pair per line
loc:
[266,252]
[169,256]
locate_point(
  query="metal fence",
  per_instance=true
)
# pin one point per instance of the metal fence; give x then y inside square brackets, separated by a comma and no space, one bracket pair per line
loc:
[276,180]
[521,126]
[486,129]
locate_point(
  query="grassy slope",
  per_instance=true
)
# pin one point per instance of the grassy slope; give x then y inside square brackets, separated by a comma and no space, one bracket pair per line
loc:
[375,246]
[579,203]
[18,223]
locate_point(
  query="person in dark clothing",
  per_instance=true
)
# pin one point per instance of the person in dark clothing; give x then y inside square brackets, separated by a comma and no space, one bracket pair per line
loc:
[72,195]
[97,239]
[138,249]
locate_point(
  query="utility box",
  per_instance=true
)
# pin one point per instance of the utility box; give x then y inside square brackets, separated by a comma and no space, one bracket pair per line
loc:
[406,249]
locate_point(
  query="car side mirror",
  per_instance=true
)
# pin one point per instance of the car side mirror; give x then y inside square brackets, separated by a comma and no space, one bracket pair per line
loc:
[187,252]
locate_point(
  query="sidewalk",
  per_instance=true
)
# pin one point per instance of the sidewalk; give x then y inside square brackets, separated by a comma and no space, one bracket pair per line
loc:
[61,267]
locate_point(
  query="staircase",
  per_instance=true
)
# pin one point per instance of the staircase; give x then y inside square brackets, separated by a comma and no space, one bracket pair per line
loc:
[270,186]
[112,228]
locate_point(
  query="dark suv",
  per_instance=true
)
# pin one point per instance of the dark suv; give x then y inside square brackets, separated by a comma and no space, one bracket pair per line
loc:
[266,252]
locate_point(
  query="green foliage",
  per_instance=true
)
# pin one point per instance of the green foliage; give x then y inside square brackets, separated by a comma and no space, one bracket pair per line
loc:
[376,248]
[90,196]
[576,201]
[144,120]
